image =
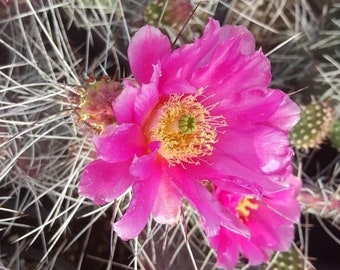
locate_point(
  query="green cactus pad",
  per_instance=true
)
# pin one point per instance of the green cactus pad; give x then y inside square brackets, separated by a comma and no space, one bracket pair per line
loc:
[153,12]
[174,13]
[334,134]
[313,126]
[290,260]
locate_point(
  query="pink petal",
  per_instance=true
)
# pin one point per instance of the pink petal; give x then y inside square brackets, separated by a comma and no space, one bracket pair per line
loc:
[229,71]
[287,115]
[177,69]
[177,86]
[269,230]
[120,142]
[295,183]
[229,174]
[249,107]
[137,215]
[262,226]
[266,236]
[146,48]
[262,148]
[247,45]
[146,99]
[123,105]
[167,205]
[227,249]
[103,182]
[212,214]
[285,203]
[286,234]
[253,251]
[184,60]
[144,166]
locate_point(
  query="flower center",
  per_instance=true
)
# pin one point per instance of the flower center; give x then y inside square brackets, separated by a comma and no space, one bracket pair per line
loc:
[185,129]
[187,123]
[245,206]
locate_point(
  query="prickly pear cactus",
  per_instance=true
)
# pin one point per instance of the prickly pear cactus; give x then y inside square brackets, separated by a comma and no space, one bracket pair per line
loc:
[290,260]
[334,134]
[94,106]
[313,126]
[153,12]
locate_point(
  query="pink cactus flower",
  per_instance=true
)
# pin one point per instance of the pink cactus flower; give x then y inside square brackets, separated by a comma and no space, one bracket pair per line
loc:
[270,221]
[202,111]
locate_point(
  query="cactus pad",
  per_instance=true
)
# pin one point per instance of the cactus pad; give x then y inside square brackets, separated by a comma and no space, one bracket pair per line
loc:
[290,260]
[313,126]
[172,14]
[334,134]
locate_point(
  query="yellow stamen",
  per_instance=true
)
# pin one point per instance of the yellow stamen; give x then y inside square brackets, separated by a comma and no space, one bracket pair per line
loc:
[245,206]
[185,129]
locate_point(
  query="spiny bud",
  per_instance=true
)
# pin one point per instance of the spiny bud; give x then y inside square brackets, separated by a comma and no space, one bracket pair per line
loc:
[313,126]
[174,13]
[94,106]
[324,204]
[334,134]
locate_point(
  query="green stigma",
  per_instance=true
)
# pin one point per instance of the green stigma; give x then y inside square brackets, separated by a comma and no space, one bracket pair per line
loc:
[187,124]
